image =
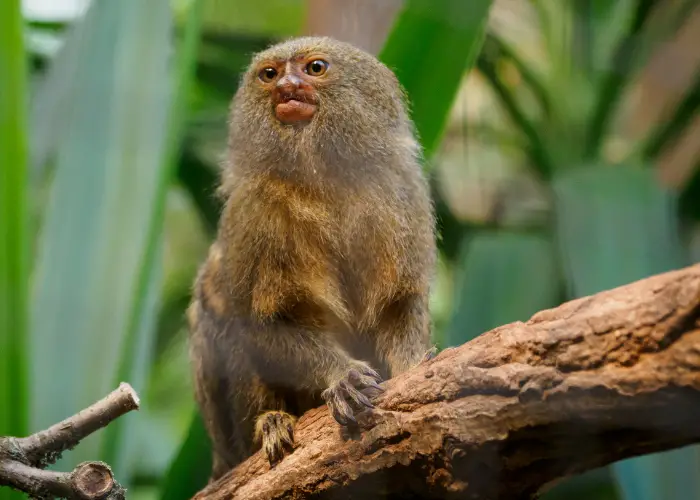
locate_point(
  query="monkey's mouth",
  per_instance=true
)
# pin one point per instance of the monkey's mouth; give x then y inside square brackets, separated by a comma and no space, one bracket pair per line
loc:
[295,108]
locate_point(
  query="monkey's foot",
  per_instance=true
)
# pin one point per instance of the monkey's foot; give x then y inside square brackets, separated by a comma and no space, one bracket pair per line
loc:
[345,398]
[276,431]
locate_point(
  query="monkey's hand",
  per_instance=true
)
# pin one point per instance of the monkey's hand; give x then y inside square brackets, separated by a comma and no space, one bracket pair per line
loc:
[275,429]
[345,396]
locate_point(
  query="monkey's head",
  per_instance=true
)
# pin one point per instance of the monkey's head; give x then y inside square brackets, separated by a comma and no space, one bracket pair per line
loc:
[318,98]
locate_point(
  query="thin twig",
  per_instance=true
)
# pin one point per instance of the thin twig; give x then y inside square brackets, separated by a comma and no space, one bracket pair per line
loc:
[22,460]
[89,480]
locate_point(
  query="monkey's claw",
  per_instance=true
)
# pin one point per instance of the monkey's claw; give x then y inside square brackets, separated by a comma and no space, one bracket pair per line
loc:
[345,397]
[276,431]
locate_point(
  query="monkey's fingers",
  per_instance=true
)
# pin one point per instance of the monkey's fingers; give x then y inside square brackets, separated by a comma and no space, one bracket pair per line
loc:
[345,397]
[338,407]
[372,393]
[350,391]
[358,379]
[367,371]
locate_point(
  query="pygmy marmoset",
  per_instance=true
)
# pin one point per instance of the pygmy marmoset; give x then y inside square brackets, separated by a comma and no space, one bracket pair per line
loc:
[317,285]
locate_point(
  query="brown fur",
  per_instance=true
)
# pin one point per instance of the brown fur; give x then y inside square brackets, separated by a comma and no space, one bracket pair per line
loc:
[317,286]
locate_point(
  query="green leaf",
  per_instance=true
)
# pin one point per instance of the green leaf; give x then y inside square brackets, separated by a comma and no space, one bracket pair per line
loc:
[616,225]
[101,215]
[119,440]
[50,100]
[191,468]
[495,268]
[431,34]
[14,271]
[141,329]
[14,222]
[671,474]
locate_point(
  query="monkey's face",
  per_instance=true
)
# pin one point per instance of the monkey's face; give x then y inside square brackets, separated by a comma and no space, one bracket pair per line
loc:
[319,98]
[292,86]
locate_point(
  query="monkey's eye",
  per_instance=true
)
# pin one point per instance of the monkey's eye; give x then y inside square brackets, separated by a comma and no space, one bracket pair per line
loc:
[267,74]
[317,67]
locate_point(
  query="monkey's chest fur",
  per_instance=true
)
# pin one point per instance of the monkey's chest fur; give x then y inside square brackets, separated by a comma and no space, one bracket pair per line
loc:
[329,262]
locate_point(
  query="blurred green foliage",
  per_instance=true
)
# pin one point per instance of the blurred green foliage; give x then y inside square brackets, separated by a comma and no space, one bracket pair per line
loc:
[123,134]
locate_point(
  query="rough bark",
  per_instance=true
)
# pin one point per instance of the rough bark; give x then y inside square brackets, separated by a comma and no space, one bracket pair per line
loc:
[593,381]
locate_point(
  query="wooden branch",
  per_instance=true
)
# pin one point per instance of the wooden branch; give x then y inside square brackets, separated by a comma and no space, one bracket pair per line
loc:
[22,460]
[506,415]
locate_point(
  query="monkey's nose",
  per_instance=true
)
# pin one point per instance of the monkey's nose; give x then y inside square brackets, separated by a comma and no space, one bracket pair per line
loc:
[289,83]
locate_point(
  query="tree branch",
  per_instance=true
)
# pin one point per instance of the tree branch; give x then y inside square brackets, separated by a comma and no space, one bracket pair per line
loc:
[22,460]
[593,381]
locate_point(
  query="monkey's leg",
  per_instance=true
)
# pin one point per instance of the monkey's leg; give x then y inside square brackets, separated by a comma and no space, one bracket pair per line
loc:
[225,388]
[291,357]
[274,431]
[403,336]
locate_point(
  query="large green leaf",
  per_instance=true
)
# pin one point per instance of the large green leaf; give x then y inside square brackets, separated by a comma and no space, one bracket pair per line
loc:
[51,100]
[101,214]
[615,225]
[494,270]
[121,438]
[140,341]
[431,46]
[13,226]
[13,222]
[671,474]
